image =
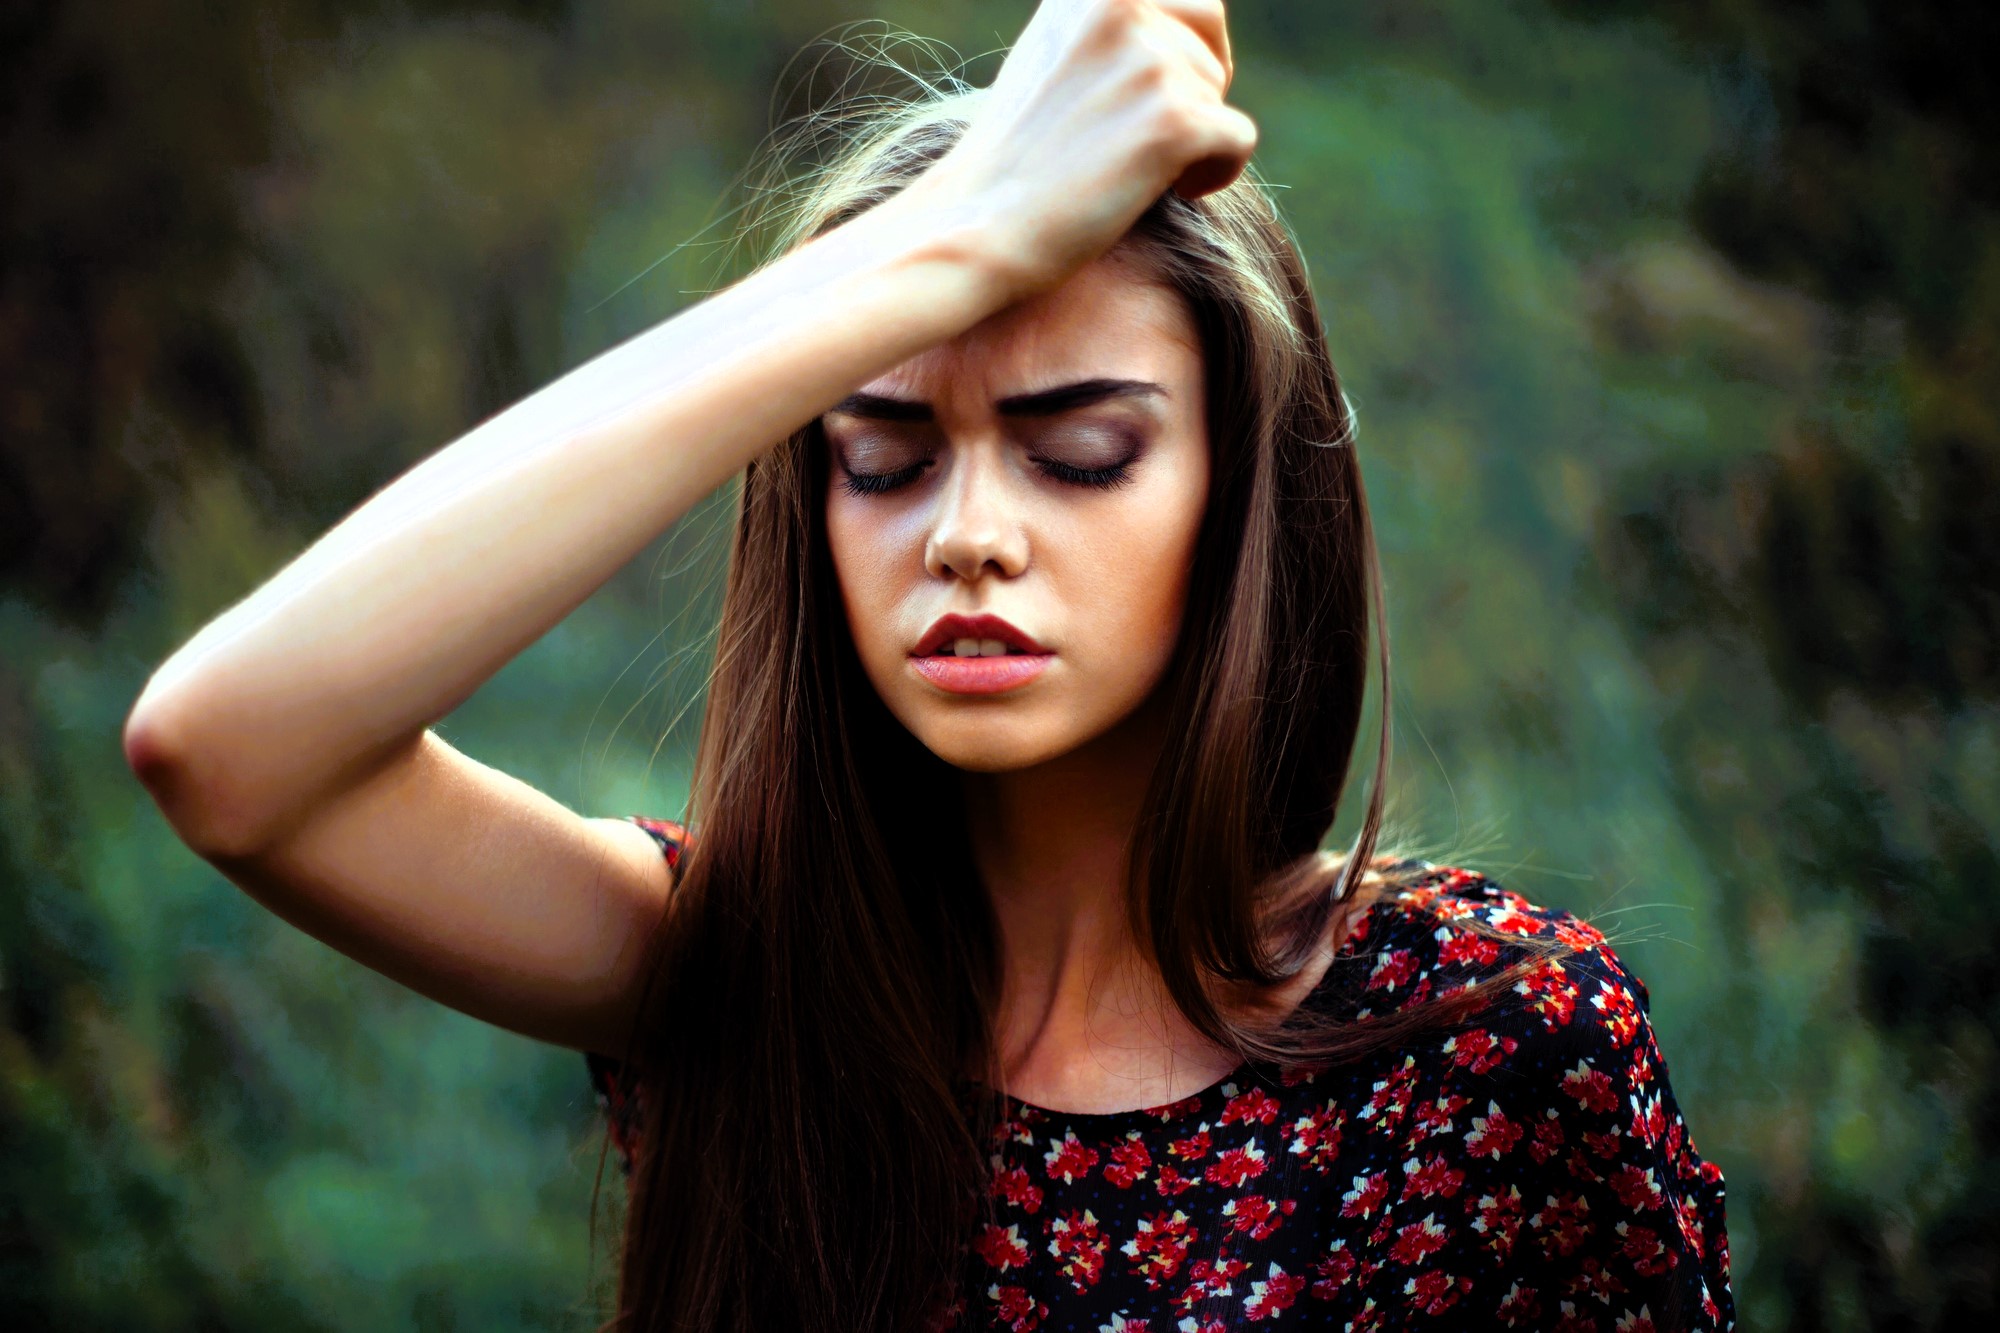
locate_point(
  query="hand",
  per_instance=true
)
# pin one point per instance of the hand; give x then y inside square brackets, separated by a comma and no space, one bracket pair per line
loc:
[1100,107]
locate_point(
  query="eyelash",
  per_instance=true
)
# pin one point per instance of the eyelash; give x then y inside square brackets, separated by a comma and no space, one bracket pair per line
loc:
[875,483]
[878,483]
[1102,478]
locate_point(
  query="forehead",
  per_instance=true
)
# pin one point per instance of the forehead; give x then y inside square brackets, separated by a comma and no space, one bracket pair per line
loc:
[1107,320]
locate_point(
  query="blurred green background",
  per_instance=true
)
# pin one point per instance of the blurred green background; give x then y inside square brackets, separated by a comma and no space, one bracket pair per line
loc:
[1672,332]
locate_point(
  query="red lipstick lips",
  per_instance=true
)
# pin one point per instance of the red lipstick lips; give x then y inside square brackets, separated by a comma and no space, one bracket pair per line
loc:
[978,655]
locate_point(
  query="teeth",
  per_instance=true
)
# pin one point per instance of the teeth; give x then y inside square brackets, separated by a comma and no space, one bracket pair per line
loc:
[992,648]
[965,648]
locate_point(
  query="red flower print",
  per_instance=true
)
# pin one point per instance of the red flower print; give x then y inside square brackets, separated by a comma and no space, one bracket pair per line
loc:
[1129,1161]
[1603,1145]
[1621,1012]
[1512,921]
[1548,1139]
[1078,1244]
[1257,1215]
[1493,1134]
[1020,1128]
[1636,1188]
[1462,946]
[1316,1137]
[1001,1247]
[1069,1160]
[1434,1117]
[1175,1110]
[1689,1223]
[1010,1131]
[1172,1182]
[1592,1278]
[1563,1223]
[1436,1291]
[1235,1166]
[1366,1196]
[1120,1324]
[1550,993]
[1332,1271]
[1582,1168]
[1013,1185]
[1643,1247]
[1392,969]
[1015,1309]
[1418,1241]
[1591,1087]
[1272,1294]
[1193,1147]
[1478,1050]
[1433,1177]
[1255,1107]
[1498,1219]
[1569,1321]
[1519,1306]
[1649,1120]
[1452,909]
[1642,1322]
[1160,1246]
[1390,1099]
[1209,1280]
[1579,935]
[1642,1066]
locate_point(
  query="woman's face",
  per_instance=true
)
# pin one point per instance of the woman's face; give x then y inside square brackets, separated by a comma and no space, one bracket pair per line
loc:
[1012,516]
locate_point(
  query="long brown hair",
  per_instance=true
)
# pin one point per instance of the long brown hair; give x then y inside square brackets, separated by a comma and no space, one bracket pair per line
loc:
[810,1158]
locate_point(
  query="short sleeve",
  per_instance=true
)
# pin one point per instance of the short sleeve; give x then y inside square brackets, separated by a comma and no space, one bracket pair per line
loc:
[1618,1222]
[619,1098]
[1548,1181]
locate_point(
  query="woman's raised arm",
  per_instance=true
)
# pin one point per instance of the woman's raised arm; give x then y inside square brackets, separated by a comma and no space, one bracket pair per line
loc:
[288,741]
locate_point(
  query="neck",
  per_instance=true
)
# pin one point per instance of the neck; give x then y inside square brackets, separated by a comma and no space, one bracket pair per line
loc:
[1080,998]
[1051,844]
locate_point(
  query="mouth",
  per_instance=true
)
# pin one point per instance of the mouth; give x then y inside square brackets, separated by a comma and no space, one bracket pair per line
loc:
[975,636]
[978,655]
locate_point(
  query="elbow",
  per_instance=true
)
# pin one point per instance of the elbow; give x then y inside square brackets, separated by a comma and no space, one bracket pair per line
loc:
[190,780]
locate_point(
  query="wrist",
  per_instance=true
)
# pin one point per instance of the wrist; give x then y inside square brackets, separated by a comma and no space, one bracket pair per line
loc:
[961,242]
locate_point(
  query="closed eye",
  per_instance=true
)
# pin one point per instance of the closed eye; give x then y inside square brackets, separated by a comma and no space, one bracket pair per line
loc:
[878,483]
[1102,478]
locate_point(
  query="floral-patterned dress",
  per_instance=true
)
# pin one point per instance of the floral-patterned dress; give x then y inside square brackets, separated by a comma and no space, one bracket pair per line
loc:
[1526,1168]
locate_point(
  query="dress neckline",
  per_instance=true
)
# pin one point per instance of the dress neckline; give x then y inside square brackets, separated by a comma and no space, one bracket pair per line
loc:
[1016,1107]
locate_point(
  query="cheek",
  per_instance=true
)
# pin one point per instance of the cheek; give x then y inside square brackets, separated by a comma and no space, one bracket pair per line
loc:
[1131,581]
[867,557]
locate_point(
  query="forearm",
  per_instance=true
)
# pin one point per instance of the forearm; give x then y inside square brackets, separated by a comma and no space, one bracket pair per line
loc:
[410,603]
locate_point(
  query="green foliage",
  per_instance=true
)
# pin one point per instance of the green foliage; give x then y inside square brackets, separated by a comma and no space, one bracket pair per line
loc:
[1682,452]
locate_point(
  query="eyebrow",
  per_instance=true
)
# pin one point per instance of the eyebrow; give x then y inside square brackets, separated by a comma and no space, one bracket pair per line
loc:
[1042,403]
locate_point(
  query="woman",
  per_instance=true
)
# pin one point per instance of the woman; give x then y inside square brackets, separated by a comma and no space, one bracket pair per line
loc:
[1005,985]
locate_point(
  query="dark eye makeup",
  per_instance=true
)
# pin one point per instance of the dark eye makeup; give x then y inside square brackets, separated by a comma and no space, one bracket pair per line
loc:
[876,483]
[1094,459]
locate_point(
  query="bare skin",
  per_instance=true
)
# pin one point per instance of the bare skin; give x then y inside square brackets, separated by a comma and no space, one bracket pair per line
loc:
[961,486]
[289,742]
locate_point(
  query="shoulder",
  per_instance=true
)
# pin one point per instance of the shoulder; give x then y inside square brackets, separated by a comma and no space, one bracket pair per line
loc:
[1534,990]
[1434,932]
[1556,1093]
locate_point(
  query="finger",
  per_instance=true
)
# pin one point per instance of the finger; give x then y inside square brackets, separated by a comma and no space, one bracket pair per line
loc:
[1205,19]
[1191,50]
[1230,139]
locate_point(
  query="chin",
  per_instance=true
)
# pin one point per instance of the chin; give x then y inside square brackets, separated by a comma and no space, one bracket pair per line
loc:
[987,743]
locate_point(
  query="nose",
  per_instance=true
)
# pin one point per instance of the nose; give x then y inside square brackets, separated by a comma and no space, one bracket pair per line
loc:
[977,528]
